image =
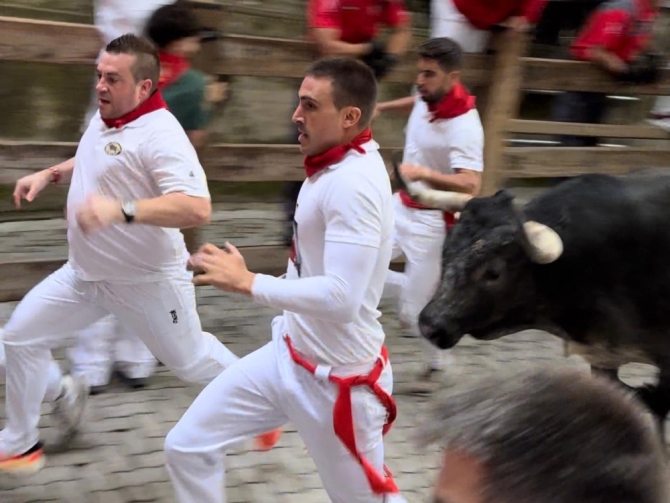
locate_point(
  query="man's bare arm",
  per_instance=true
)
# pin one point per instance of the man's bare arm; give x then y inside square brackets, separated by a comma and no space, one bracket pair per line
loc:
[401,105]
[401,37]
[65,170]
[175,210]
[607,60]
[463,180]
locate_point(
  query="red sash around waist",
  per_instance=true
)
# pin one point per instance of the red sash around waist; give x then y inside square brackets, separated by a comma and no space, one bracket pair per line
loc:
[343,421]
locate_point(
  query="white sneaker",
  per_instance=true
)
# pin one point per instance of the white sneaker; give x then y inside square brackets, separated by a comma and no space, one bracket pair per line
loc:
[68,408]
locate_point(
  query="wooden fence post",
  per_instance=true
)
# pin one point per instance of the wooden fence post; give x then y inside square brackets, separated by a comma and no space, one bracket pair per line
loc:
[503,101]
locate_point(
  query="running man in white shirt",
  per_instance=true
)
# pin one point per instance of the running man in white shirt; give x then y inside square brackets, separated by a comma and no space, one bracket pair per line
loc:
[444,148]
[325,370]
[135,181]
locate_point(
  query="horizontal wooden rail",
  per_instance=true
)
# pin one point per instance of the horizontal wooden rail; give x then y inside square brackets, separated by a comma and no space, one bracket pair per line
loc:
[638,131]
[277,163]
[71,43]
[223,162]
[37,41]
[18,277]
[538,162]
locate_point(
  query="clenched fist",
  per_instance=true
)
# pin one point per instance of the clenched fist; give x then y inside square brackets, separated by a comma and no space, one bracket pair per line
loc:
[99,212]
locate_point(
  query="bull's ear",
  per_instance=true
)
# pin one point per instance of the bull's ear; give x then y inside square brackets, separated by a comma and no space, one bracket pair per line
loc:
[545,245]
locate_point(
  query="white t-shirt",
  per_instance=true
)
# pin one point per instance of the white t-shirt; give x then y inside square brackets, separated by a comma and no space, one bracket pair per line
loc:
[349,203]
[143,159]
[445,144]
[114,18]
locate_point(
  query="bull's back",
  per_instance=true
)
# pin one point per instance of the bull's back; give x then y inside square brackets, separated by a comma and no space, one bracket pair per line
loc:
[613,279]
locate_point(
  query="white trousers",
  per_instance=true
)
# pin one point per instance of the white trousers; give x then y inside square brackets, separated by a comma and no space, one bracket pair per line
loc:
[261,392]
[447,21]
[162,313]
[419,236]
[53,379]
[107,344]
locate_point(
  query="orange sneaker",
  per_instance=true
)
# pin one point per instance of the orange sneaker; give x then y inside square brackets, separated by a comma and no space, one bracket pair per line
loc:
[24,464]
[268,440]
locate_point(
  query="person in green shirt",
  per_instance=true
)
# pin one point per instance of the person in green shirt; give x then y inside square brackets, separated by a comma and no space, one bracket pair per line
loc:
[189,93]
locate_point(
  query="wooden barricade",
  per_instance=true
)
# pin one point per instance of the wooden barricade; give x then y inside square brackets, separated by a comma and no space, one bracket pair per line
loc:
[508,73]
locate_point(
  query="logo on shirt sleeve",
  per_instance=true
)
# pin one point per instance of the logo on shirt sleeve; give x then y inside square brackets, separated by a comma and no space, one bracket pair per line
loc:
[113,148]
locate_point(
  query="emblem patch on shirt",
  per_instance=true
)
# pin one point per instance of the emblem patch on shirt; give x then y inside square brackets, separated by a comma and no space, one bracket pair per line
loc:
[113,148]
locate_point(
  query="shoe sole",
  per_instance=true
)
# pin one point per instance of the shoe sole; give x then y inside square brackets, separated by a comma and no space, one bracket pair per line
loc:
[25,470]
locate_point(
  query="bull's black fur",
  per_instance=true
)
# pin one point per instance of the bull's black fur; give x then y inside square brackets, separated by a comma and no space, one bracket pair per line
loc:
[610,287]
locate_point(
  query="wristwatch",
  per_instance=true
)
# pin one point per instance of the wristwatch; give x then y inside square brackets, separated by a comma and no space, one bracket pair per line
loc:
[128,210]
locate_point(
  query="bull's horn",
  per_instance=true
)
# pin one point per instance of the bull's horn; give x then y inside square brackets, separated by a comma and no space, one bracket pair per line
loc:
[545,244]
[419,191]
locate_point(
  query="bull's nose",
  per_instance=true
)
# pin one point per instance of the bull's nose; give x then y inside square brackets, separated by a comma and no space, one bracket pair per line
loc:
[427,327]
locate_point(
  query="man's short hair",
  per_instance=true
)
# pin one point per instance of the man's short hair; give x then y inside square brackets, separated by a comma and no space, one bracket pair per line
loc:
[353,84]
[170,23]
[445,51]
[147,64]
[553,436]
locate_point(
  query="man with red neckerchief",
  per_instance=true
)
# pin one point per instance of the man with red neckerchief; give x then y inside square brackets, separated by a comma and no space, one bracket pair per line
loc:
[326,369]
[350,28]
[444,148]
[106,345]
[135,181]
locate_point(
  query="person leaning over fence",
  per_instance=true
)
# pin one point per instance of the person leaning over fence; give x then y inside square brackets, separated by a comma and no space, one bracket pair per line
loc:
[544,435]
[469,22]
[616,38]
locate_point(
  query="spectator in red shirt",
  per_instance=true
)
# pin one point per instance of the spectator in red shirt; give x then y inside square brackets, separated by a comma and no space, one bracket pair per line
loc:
[615,38]
[469,22]
[350,28]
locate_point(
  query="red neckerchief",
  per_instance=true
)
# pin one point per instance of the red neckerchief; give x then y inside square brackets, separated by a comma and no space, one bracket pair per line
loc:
[151,104]
[315,163]
[458,102]
[172,67]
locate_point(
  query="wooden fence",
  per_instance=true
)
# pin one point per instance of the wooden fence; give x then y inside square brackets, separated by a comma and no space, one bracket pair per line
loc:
[507,73]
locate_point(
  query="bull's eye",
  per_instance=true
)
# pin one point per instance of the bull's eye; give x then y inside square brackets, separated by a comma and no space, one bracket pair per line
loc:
[491,275]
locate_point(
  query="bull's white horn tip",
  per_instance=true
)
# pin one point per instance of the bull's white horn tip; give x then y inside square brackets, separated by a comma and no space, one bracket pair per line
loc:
[546,242]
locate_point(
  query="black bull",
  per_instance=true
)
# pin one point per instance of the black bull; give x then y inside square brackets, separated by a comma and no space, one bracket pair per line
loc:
[588,261]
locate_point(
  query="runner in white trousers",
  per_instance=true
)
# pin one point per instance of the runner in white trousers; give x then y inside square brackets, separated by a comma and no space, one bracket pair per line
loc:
[135,181]
[444,148]
[325,370]
[106,345]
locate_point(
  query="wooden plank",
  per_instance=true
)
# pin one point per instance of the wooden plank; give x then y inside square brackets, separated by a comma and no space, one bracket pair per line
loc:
[74,43]
[641,131]
[566,75]
[48,41]
[20,277]
[19,158]
[223,162]
[503,103]
[539,162]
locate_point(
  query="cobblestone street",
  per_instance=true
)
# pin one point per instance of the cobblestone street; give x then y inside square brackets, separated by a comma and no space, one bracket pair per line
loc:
[118,457]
